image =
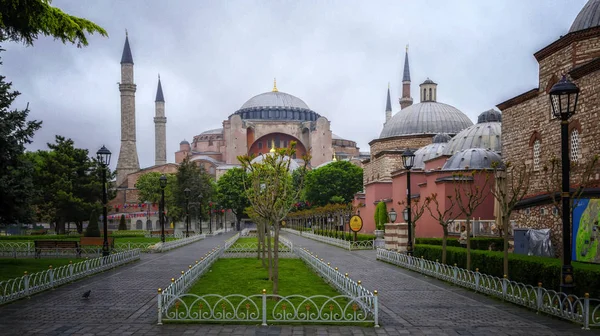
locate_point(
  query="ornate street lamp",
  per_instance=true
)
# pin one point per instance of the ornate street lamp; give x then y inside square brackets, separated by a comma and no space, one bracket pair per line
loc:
[408,159]
[563,98]
[405,214]
[103,157]
[187,211]
[392,214]
[162,181]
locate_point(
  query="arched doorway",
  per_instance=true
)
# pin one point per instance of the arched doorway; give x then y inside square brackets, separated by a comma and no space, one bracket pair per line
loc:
[149,225]
[139,225]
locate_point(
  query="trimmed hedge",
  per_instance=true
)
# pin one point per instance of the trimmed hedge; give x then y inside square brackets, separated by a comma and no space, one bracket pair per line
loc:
[349,236]
[40,237]
[128,233]
[477,243]
[522,268]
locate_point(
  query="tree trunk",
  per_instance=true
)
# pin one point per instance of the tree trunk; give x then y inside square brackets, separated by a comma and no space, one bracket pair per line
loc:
[270,254]
[276,260]
[444,243]
[79,227]
[468,223]
[505,222]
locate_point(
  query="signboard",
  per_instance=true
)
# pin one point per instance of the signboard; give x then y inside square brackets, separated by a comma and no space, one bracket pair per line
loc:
[282,223]
[356,223]
[586,231]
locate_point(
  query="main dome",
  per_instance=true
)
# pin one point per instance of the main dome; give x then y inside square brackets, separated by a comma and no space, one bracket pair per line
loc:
[426,118]
[275,99]
[276,105]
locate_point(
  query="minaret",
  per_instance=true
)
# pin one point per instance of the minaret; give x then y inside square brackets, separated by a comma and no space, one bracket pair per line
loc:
[406,100]
[388,106]
[128,158]
[160,127]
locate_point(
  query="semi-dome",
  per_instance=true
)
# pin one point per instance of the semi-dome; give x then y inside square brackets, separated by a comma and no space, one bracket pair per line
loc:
[213,131]
[473,158]
[293,164]
[276,105]
[588,17]
[484,134]
[426,118]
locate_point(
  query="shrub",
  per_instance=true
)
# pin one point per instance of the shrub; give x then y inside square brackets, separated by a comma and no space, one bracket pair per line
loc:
[381,216]
[349,236]
[526,269]
[477,243]
[92,229]
[122,225]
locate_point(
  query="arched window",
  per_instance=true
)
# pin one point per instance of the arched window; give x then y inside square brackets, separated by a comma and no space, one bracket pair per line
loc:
[424,94]
[430,95]
[537,150]
[575,150]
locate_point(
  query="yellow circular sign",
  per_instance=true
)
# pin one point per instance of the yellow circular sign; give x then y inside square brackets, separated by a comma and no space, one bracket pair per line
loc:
[282,223]
[356,223]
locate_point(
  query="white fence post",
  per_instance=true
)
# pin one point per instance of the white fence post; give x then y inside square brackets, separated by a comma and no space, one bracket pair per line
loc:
[264,307]
[159,306]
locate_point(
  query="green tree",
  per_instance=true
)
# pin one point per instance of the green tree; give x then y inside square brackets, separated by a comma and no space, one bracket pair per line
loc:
[381,216]
[270,190]
[92,229]
[230,189]
[149,189]
[339,178]
[24,20]
[122,224]
[202,188]
[69,184]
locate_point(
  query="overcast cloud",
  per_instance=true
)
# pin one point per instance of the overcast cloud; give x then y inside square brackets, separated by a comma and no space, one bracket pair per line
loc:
[336,55]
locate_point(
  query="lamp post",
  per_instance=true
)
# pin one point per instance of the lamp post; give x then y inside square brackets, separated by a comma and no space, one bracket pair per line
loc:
[563,98]
[408,159]
[392,214]
[103,156]
[163,183]
[187,211]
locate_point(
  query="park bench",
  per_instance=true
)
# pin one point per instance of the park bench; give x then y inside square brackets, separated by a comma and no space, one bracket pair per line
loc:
[96,241]
[158,233]
[191,233]
[56,245]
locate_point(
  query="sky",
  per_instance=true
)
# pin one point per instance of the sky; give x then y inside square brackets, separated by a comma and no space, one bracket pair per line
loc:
[336,55]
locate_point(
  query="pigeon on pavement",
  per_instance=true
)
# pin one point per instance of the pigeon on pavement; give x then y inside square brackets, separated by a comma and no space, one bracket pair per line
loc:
[87,294]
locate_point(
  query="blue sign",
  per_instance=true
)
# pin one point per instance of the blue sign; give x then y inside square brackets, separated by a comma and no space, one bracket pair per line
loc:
[586,231]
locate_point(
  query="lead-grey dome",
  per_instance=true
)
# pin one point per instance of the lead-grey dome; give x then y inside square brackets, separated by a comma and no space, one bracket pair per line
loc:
[588,17]
[489,116]
[485,135]
[275,99]
[428,152]
[474,158]
[441,138]
[426,118]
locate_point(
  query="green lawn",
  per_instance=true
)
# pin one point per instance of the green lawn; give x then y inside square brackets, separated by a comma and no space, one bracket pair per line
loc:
[14,268]
[246,276]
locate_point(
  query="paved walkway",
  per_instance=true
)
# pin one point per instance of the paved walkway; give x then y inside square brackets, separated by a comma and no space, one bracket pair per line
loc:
[414,303]
[123,302]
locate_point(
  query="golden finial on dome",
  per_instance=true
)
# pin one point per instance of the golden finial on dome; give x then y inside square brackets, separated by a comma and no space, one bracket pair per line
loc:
[334,158]
[273,140]
[275,85]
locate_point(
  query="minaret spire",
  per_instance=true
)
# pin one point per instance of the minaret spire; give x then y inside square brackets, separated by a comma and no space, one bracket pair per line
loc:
[160,127]
[406,101]
[388,105]
[128,157]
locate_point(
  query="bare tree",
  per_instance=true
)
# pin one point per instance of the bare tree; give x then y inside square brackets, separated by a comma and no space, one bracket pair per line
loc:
[512,184]
[469,196]
[272,194]
[444,214]
[417,208]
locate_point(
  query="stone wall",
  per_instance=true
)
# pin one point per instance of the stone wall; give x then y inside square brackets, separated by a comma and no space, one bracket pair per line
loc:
[381,168]
[542,217]
[400,142]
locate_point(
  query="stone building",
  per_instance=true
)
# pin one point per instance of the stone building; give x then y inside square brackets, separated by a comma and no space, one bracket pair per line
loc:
[269,119]
[531,135]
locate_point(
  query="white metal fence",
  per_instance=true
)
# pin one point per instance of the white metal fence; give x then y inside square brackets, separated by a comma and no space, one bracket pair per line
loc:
[29,284]
[169,245]
[584,310]
[345,244]
[356,305]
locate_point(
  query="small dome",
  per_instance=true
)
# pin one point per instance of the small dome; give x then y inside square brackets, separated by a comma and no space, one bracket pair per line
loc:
[489,116]
[428,81]
[184,142]
[275,99]
[293,164]
[474,158]
[485,135]
[426,118]
[428,152]
[588,17]
[441,138]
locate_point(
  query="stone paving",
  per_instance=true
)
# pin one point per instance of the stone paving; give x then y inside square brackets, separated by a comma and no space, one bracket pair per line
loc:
[123,302]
